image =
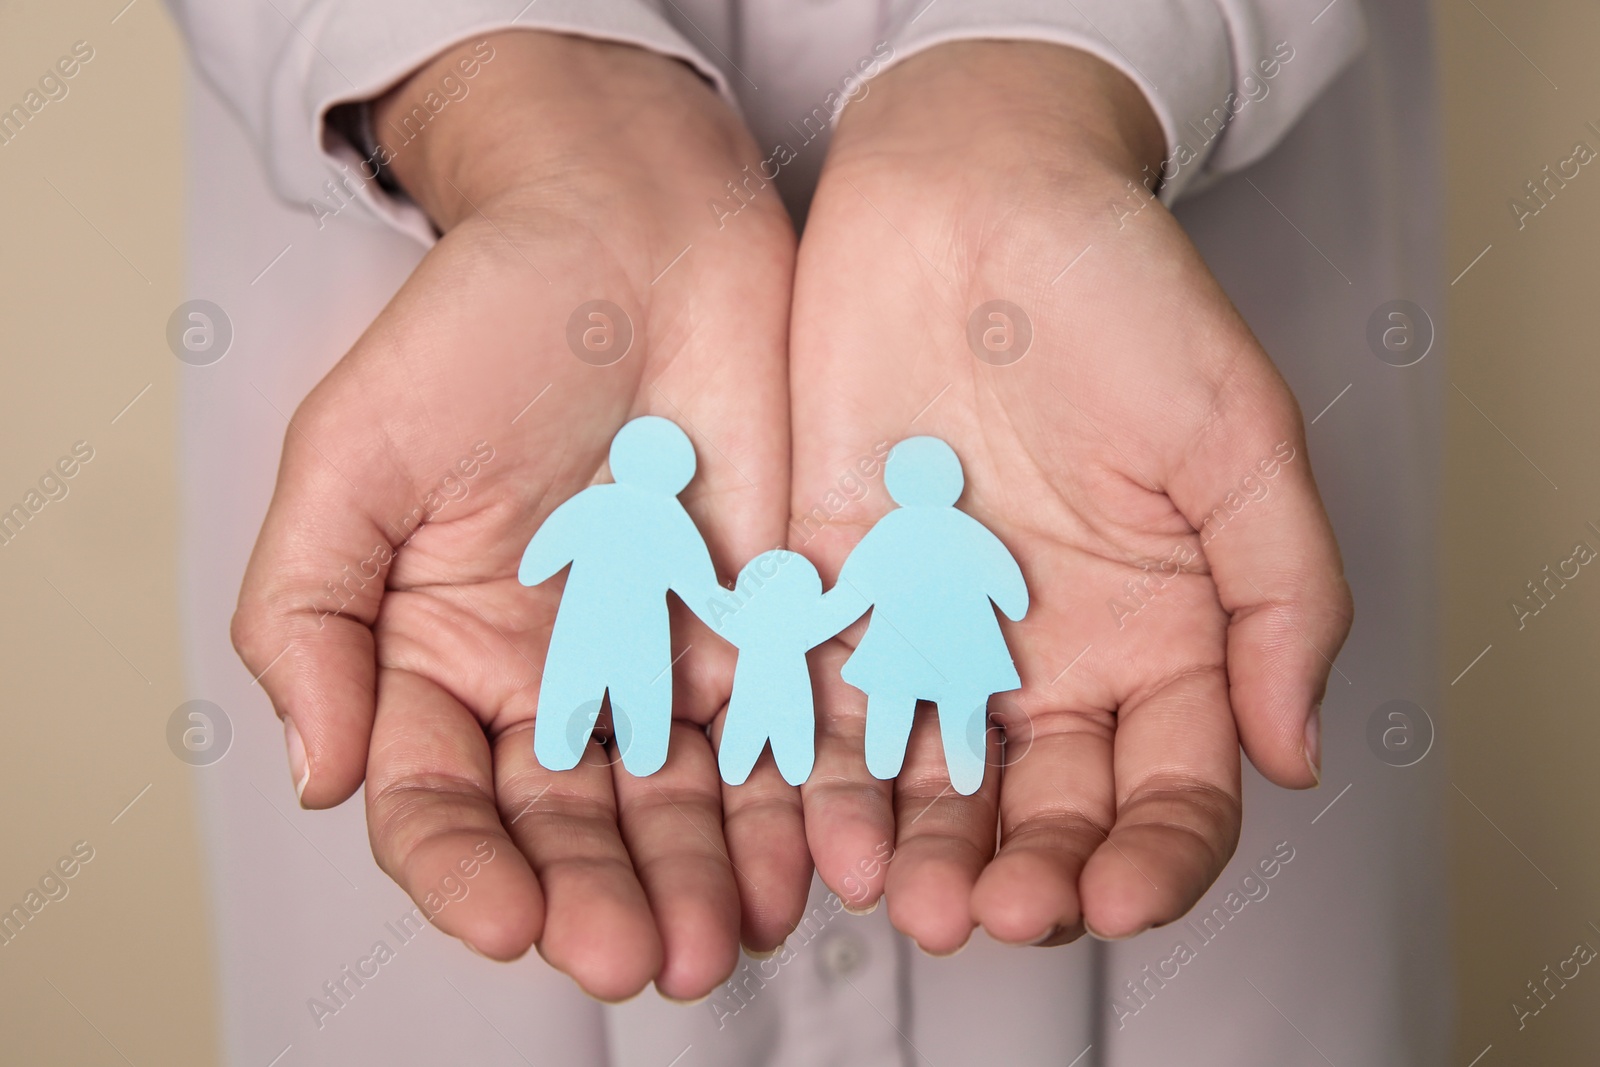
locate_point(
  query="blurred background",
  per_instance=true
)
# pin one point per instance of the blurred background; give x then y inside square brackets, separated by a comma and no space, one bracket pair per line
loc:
[115,966]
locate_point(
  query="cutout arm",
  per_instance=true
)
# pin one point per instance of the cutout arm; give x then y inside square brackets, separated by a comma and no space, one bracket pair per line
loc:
[552,546]
[838,608]
[1005,584]
[694,579]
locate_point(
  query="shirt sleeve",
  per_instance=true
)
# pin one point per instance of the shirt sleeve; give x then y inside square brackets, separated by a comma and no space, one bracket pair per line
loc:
[283,65]
[1226,78]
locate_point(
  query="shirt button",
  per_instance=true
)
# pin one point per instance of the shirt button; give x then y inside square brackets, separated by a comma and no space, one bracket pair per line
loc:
[842,955]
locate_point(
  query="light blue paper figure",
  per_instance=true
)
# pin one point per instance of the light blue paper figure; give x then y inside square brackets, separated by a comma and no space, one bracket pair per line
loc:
[629,543]
[775,614]
[930,572]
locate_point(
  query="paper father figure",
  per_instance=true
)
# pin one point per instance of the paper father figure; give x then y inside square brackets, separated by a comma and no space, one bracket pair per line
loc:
[628,544]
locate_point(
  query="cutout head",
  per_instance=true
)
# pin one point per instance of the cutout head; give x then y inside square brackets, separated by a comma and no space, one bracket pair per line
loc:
[652,453]
[923,472]
[783,577]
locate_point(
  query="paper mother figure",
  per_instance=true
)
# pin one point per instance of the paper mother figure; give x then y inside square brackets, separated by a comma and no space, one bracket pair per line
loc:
[930,572]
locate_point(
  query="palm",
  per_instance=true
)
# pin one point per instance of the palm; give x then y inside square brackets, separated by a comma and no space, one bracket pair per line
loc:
[619,879]
[1095,458]
[454,607]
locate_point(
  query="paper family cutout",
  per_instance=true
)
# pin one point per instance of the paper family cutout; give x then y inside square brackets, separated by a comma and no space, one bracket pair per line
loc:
[930,575]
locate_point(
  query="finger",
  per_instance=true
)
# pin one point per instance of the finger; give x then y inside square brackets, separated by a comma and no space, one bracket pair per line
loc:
[310,594]
[1177,808]
[735,411]
[430,806]
[943,840]
[672,823]
[598,927]
[765,830]
[849,814]
[1248,489]
[1056,806]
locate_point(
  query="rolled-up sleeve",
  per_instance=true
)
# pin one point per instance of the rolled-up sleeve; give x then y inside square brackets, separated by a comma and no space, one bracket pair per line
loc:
[1226,78]
[283,65]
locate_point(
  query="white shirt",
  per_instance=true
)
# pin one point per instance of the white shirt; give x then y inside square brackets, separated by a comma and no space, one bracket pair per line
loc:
[284,65]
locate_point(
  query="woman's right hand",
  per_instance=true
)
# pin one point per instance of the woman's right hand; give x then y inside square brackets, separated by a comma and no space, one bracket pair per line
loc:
[576,171]
[1098,453]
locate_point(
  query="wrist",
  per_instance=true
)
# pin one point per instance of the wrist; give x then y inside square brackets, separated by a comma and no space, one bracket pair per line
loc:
[1055,106]
[541,110]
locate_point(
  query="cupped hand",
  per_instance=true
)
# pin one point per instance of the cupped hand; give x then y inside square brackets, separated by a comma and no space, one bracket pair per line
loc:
[414,474]
[1142,460]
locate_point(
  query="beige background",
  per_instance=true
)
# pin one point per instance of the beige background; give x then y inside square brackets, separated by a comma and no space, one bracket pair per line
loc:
[92,267]
[1522,725]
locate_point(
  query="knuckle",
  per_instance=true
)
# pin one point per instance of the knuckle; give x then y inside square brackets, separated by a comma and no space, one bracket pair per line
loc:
[1202,811]
[247,630]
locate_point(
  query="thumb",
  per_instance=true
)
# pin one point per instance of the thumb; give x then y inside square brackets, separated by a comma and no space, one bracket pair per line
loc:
[1247,488]
[303,625]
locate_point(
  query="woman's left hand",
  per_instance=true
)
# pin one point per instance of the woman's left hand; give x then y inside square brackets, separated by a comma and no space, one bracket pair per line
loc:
[1142,459]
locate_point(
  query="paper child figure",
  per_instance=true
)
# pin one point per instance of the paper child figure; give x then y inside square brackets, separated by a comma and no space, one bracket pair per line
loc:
[628,543]
[930,572]
[778,612]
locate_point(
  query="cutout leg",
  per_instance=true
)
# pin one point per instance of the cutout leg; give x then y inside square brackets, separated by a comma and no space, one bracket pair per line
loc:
[641,712]
[794,744]
[964,728]
[569,703]
[741,745]
[889,717]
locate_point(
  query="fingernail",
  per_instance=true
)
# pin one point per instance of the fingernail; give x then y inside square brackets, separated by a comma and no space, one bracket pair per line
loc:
[945,955]
[1054,932]
[767,955]
[1049,935]
[298,767]
[868,910]
[1120,937]
[1313,748]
